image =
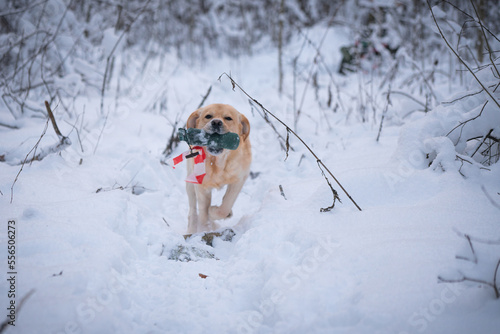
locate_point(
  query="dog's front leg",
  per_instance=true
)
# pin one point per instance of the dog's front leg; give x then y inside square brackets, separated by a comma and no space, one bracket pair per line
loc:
[193,209]
[204,197]
[225,209]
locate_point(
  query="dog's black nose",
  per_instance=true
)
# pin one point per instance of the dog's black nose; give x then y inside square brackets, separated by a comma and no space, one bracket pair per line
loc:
[216,123]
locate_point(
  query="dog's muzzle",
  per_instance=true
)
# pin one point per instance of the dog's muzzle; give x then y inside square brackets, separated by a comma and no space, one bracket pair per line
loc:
[216,126]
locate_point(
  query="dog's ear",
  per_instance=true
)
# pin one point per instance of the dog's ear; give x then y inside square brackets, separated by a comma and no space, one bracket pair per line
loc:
[245,127]
[191,122]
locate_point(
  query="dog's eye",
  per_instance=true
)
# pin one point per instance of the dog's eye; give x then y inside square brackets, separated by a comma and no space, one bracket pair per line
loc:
[228,118]
[208,116]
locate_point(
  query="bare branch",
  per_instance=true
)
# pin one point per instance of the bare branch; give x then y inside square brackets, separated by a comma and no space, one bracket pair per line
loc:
[334,192]
[173,141]
[490,53]
[282,192]
[205,97]
[497,293]
[474,260]
[13,127]
[25,298]
[495,204]
[102,130]
[480,240]
[467,121]
[283,142]
[320,163]
[482,142]
[471,17]
[61,145]
[460,58]
[53,120]
[475,280]
[26,159]
[110,56]
[462,97]
[22,10]
[388,102]
[408,96]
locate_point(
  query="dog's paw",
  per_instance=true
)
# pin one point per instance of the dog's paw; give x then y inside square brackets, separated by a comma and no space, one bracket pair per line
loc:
[192,223]
[216,213]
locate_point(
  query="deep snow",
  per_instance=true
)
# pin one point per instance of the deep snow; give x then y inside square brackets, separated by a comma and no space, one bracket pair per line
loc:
[95,229]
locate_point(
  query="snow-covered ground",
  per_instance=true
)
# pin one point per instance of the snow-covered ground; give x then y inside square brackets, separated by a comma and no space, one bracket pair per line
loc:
[97,231]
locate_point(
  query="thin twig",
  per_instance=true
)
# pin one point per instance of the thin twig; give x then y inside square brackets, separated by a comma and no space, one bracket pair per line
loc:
[388,102]
[318,59]
[173,141]
[471,17]
[63,140]
[63,143]
[4,324]
[284,143]
[22,10]
[102,130]
[480,240]
[467,121]
[474,260]
[495,287]
[475,280]
[282,192]
[460,58]
[205,97]
[490,53]
[320,163]
[462,97]
[53,120]
[495,204]
[334,192]
[408,96]
[287,143]
[422,74]
[77,132]
[13,127]
[26,159]
[482,142]
[110,56]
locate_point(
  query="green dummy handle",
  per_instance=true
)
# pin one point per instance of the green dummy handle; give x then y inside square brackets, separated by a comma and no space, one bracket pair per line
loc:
[193,136]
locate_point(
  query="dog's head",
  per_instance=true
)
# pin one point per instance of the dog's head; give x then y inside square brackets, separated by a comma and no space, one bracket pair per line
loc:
[221,119]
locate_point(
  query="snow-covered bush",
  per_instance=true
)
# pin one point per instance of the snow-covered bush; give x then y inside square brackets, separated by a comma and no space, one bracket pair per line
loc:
[462,134]
[57,50]
[464,131]
[48,52]
[60,49]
